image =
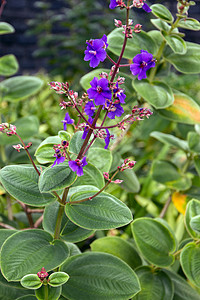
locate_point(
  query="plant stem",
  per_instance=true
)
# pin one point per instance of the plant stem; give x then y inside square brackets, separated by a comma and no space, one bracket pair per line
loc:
[165,208]
[46,292]
[60,214]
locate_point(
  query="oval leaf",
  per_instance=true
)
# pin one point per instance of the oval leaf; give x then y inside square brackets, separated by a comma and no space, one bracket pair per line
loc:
[118,247]
[31,281]
[195,224]
[6,28]
[101,158]
[194,141]
[189,261]
[154,240]
[56,178]
[130,181]
[21,181]
[156,93]
[45,152]
[58,278]
[161,12]
[20,87]
[189,23]
[28,251]
[133,46]
[76,142]
[170,140]
[8,65]
[154,285]
[99,276]
[102,212]
[176,43]
[192,210]
[4,234]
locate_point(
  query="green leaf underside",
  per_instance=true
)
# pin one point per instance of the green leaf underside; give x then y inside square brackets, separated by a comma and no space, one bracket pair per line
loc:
[20,87]
[154,240]
[8,65]
[99,276]
[28,251]
[76,142]
[133,46]
[156,93]
[154,285]
[183,110]
[56,178]
[190,262]
[118,247]
[102,212]
[21,181]
[70,232]
[192,210]
[182,290]
[189,23]
[160,11]
[176,43]
[170,140]
[101,158]
[45,152]
[130,181]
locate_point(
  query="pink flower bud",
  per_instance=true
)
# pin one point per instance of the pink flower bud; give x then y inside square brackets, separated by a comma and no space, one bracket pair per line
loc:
[117,181]
[106,175]
[118,23]
[42,274]
[137,28]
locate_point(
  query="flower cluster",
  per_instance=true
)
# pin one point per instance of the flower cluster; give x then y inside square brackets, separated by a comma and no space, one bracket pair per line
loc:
[107,177]
[95,51]
[136,3]
[7,128]
[42,274]
[60,152]
[127,164]
[19,147]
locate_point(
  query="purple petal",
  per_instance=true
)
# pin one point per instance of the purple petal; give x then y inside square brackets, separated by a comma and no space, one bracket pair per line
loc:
[85,133]
[135,69]
[97,44]
[113,4]
[79,171]
[103,82]
[104,38]
[145,56]
[107,94]
[99,100]
[94,62]
[146,8]
[73,165]
[142,74]
[84,162]
[101,54]
[94,82]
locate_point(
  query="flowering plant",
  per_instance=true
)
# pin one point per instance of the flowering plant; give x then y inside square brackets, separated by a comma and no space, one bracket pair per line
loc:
[73,171]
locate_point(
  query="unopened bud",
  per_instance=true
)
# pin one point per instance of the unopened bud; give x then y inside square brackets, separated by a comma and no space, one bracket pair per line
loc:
[118,23]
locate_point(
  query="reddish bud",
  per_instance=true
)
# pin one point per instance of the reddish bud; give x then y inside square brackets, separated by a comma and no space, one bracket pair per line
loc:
[42,274]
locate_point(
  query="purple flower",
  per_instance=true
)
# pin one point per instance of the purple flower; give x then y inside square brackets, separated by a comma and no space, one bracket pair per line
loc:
[86,129]
[107,139]
[99,91]
[116,111]
[77,165]
[119,93]
[95,51]
[146,8]
[59,159]
[113,4]
[67,120]
[142,63]
[90,108]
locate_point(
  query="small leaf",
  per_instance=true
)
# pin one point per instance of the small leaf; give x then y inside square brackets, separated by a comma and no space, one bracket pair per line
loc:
[20,87]
[28,251]
[21,181]
[31,281]
[6,28]
[194,141]
[133,46]
[45,152]
[118,247]
[28,297]
[183,110]
[154,240]
[99,276]
[176,43]
[53,292]
[58,278]
[8,65]
[192,210]
[161,12]
[170,140]
[189,261]
[64,135]
[154,285]
[189,23]
[56,178]
[156,93]
[102,212]
[101,158]
[130,181]
[160,24]
[195,224]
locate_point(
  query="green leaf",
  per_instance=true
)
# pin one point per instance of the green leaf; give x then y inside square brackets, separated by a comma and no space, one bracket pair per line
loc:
[99,276]
[133,46]
[192,210]
[20,87]
[28,251]
[161,12]
[188,63]
[64,135]
[170,140]
[31,281]
[195,224]
[197,164]
[73,249]
[11,290]
[101,158]
[102,212]
[45,152]
[8,65]
[168,174]
[189,259]
[76,142]
[183,110]
[118,247]
[58,278]
[6,28]
[154,285]
[156,93]
[156,36]
[182,290]
[28,297]
[91,176]
[70,232]
[160,24]
[154,240]
[4,234]
[176,43]
[26,127]
[130,181]
[189,23]
[194,141]
[21,182]
[56,178]
[53,292]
